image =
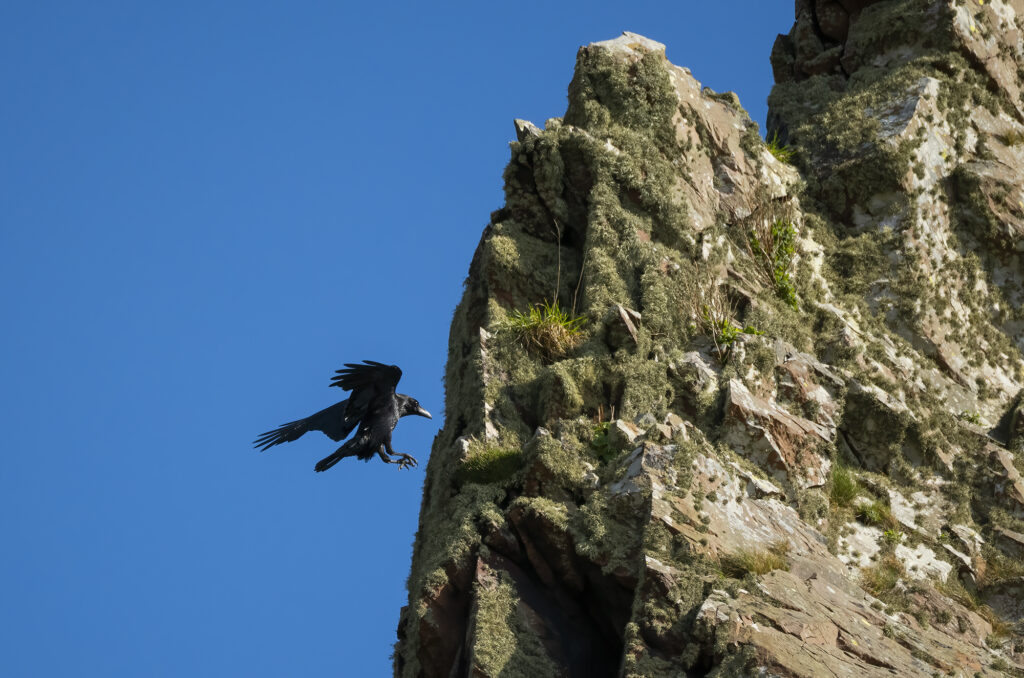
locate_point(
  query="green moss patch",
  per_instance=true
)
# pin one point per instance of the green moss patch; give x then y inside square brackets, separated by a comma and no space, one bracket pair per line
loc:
[490,465]
[504,641]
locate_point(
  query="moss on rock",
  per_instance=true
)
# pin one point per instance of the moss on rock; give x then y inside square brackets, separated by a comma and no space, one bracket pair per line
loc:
[634,211]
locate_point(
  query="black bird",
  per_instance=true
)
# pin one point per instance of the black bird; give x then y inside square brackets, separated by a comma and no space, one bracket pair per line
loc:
[373,406]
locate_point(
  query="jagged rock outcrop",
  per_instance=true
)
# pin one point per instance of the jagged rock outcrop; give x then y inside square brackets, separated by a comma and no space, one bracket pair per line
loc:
[773,426]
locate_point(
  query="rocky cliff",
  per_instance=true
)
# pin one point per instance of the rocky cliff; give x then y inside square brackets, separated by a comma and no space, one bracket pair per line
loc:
[716,407]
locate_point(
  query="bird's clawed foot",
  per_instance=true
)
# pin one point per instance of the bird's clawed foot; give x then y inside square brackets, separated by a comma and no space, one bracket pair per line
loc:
[406,461]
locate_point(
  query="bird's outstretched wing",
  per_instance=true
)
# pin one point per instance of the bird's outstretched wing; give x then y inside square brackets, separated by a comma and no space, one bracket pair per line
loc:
[335,421]
[371,374]
[372,385]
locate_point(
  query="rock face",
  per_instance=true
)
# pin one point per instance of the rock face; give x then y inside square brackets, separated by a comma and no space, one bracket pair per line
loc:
[774,428]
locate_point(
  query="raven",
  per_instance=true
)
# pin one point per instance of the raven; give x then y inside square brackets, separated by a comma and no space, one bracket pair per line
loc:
[373,406]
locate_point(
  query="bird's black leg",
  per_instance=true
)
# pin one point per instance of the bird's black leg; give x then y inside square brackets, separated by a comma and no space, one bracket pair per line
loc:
[384,456]
[405,461]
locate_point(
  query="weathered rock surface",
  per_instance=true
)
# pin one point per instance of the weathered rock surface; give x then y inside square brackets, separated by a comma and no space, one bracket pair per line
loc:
[775,439]
[786,439]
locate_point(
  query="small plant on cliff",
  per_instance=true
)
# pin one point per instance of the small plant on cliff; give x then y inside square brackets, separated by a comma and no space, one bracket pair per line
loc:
[1000,569]
[724,334]
[547,329]
[713,312]
[755,561]
[599,443]
[781,151]
[972,416]
[772,245]
[842,486]
[1013,138]
[877,513]
[881,578]
[893,536]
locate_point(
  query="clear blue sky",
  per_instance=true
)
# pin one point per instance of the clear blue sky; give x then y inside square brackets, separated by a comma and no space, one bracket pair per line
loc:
[205,209]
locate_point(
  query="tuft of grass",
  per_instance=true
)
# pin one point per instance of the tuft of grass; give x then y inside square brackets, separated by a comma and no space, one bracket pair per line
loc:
[755,561]
[547,329]
[724,334]
[712,310]
[893,536]
[842,486]
[972,416]
[999,568]
[880,579]
[727,333]
[781,151]
[491,465]
[877,513]
[771,243]
[1013,138]
[773,246]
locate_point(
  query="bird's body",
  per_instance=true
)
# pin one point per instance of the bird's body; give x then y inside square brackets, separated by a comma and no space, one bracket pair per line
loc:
[373,407]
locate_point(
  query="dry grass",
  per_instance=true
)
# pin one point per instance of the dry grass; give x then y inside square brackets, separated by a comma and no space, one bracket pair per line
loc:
[755,561]
[880,579]
[1013,138]
[999,568]
[713,312]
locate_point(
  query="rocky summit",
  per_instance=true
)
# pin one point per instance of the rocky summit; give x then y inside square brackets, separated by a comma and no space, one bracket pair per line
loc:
[721,407]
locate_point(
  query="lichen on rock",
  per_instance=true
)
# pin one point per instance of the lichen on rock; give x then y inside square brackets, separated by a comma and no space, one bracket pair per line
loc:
[656,498]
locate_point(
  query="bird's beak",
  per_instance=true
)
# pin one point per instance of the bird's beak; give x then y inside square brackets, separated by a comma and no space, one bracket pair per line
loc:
[423,413]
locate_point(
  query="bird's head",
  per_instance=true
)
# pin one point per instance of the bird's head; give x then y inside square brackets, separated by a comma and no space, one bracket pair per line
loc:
[412,406]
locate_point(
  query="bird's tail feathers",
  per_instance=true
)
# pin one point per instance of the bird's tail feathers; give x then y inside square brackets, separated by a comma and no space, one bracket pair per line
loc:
[329,461]
[356,447]
[285,433]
